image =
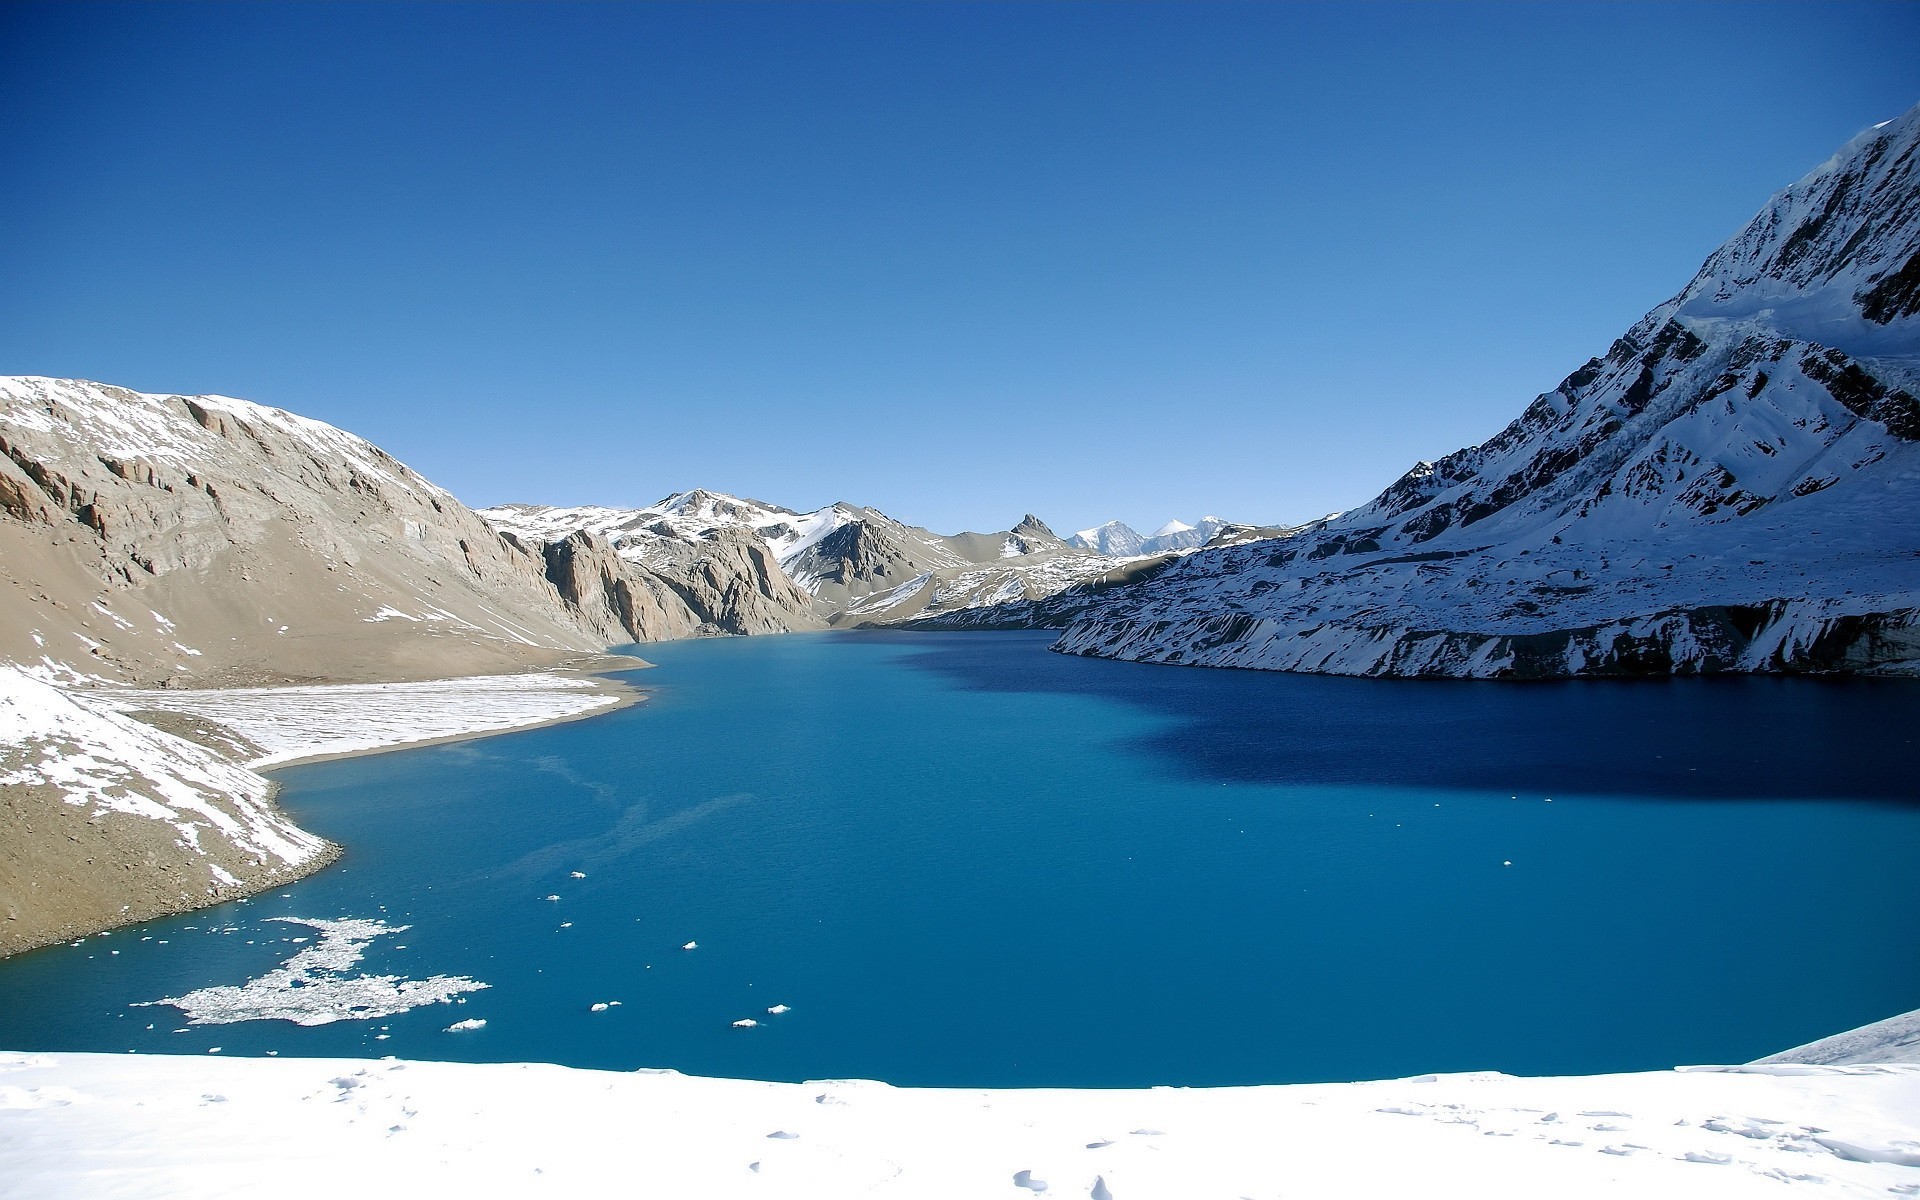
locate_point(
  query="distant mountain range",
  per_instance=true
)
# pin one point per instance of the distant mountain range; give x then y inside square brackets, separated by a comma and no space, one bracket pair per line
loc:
[1119,538]
[858,565]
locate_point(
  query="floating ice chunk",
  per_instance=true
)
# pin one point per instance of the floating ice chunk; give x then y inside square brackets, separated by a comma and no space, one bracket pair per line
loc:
[311,988]
[468,1024]
[599,1006]
[777,1009]
[691,946]
[1506,862]
[579,874]
[746,1023]
[553,897]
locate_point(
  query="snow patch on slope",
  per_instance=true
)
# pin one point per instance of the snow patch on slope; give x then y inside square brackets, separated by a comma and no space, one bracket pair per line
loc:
[105,762]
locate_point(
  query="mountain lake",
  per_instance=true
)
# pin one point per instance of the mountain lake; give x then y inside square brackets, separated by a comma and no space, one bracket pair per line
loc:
[960,859]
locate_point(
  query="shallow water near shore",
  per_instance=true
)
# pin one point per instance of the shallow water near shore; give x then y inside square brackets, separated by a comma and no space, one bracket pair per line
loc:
[958,859]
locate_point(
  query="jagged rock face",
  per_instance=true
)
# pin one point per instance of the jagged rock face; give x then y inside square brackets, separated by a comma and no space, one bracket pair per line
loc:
[203,540]
[1735,485]
[731,582]
[619,601]
[725,581]
[870,552]
[1032,536]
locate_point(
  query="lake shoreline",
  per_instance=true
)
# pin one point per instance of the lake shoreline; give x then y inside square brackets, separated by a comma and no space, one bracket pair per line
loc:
[126,898]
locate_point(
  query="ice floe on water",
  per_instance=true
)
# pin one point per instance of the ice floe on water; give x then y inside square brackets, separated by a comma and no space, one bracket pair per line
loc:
[312,987]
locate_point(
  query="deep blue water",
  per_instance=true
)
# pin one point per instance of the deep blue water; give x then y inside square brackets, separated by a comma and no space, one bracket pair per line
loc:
[963,860]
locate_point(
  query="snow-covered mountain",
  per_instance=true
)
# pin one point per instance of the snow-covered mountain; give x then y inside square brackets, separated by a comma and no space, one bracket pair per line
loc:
[1734,485]
[1115,537]
[1120,540]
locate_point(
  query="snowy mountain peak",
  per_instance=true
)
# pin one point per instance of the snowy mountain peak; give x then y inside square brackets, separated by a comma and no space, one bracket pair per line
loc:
[1729,487]
[1833,259]
[1115,537]
[1119,538]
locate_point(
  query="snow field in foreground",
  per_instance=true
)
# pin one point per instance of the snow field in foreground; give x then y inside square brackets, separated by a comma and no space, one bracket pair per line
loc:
[86,1125]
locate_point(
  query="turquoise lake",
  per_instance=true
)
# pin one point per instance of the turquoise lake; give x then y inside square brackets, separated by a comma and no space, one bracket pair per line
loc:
[963,860]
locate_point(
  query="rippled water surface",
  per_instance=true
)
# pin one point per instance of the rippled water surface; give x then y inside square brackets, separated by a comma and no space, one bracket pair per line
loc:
[959,859]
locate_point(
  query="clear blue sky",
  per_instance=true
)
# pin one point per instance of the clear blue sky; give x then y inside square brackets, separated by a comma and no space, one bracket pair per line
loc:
[959,262]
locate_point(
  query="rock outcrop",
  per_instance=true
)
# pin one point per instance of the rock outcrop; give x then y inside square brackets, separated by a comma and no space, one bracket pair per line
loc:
[1733,486]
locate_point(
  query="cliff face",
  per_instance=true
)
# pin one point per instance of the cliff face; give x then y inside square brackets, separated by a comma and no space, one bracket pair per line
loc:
[201,540]
[724,581]
[1734,485]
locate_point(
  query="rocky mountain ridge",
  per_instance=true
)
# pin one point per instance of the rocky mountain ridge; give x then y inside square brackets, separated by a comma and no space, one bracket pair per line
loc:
[1734,485]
